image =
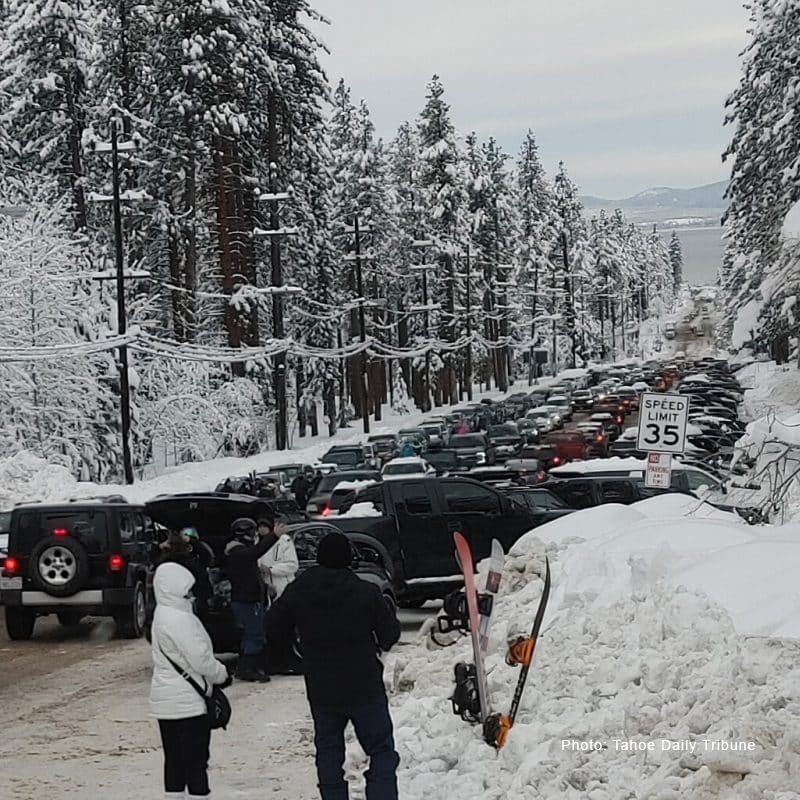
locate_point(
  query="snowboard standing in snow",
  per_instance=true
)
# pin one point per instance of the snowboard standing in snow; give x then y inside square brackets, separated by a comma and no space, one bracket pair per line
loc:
[520,652]
[470,698]
[496,563]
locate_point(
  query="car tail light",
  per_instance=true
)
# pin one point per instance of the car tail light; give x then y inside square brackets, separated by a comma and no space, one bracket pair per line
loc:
[600,437]
[11,566]
[556,461]
[620,420]
[116,562]
[60,532]
[326,512]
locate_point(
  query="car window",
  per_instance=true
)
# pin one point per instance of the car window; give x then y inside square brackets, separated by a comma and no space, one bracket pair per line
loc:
[468,497]
[88,527]
[617,492]
[547,501]
[374,495]
[138,528]
[126,528]
[416,499]
[576,494]
[306,543]
[697,479]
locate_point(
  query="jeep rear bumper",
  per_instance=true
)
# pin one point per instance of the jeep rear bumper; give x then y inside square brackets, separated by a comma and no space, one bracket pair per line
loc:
[95,599]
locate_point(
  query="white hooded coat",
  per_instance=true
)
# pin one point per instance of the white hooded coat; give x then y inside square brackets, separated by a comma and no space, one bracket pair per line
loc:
[178,633]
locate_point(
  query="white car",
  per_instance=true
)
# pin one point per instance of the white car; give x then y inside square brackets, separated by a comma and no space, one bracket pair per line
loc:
[408,467]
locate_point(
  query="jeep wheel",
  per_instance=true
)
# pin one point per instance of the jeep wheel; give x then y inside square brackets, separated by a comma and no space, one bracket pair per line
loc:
[69,618]
[131,620]
[19,623]
[59,566]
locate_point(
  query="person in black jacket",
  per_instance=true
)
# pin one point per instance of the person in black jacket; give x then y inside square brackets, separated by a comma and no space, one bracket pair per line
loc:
[343,623]
[249,543]
[186,549]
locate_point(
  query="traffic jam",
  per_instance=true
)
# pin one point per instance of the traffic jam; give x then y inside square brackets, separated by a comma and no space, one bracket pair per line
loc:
[493,469]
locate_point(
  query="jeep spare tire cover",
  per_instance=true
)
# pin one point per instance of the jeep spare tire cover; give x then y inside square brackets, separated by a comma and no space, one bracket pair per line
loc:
[59,566]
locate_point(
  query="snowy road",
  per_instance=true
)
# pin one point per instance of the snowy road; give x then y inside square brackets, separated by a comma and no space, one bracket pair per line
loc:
[74,724]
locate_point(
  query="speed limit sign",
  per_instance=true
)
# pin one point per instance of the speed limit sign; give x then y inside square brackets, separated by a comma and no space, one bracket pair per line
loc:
[662,423]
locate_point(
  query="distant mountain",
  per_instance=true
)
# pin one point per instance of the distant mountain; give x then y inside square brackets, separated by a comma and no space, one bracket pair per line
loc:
[710,196]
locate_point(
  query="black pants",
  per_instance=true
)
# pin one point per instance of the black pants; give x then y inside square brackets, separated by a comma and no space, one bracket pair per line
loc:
[373,727]
[186,750]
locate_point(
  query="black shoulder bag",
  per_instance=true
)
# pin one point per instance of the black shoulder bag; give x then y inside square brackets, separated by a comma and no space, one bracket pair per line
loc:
[217,704]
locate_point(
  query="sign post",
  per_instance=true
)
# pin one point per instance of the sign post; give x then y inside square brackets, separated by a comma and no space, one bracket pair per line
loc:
[663,419]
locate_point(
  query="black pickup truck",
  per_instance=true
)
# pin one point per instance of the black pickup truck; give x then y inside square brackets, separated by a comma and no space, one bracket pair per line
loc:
[417,519]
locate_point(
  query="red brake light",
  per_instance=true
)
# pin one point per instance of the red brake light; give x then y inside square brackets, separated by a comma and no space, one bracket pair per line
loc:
[556,460]
[60,532]
[116,563]
[600,437]
[326,511]
[11,566]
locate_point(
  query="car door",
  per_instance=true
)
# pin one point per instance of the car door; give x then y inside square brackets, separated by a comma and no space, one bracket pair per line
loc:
[426,544]
[475,511]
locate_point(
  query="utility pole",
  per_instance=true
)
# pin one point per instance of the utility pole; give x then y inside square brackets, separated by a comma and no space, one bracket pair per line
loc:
[275,234]
[115,147]
[571,288]
[469,327]
[362,326]
[122,323]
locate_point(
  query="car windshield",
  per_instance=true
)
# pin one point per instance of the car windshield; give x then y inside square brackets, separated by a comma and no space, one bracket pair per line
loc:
[291,471]
[403,468]
[466,441]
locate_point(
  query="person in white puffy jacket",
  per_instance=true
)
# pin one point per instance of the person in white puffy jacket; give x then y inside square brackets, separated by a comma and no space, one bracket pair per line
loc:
[179,635]
[279,564]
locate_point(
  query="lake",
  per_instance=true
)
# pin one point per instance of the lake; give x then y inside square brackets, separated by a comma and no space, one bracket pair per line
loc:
[703,249]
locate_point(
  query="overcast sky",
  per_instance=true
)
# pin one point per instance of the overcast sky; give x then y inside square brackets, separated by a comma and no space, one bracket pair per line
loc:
[629,93]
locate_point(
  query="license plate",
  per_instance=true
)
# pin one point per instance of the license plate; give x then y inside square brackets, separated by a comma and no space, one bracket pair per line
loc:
[10,583]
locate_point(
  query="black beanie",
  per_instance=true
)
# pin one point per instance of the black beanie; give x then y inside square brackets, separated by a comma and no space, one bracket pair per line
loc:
[335,552]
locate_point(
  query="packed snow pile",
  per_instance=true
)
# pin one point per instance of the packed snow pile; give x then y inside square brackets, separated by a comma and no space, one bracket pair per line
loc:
[647,692]
[770,388]
[25,477]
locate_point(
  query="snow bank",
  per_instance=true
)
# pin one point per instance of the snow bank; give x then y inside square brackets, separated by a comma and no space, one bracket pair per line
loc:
[25,478]
[630,651]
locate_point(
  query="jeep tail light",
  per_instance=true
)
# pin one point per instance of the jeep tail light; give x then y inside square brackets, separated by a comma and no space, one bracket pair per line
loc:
[116,562]
[60,532]
[11,566]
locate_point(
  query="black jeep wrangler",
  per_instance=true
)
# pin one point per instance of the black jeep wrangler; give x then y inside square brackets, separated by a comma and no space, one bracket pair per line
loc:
[75,559]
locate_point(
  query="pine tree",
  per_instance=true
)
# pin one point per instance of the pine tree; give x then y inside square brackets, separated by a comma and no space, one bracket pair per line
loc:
[44,73]
[676,261]
[443,203]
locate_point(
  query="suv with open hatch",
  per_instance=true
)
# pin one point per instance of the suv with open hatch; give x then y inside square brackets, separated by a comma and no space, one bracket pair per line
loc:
[76,559]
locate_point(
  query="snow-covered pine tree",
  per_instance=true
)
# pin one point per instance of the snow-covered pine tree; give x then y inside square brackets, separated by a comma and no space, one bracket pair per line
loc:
[53,406]
[676,260]
[535,234]
[43,78]
[406,291]
[765,169]
[569,222]
[443,204]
